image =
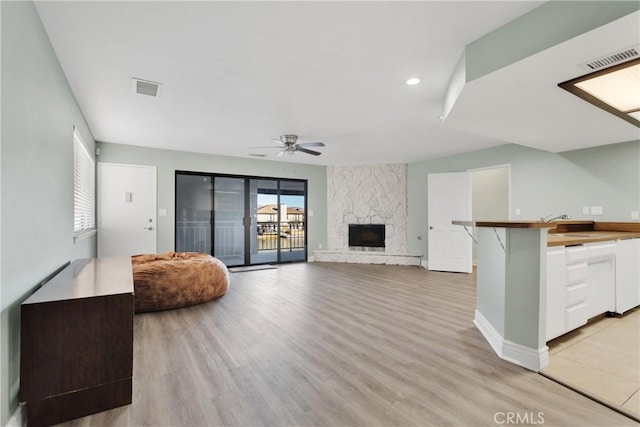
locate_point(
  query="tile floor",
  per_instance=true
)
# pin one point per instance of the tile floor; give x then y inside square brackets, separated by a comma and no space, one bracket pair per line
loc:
[602,359]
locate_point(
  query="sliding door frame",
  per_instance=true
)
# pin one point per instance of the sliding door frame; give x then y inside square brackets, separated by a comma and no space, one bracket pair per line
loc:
[247,219]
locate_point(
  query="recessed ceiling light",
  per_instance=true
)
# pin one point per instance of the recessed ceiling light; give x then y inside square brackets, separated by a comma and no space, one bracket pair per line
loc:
[413,81]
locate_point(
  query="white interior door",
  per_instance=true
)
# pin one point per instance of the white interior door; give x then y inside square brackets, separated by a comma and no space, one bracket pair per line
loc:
[450,247]
[126,209]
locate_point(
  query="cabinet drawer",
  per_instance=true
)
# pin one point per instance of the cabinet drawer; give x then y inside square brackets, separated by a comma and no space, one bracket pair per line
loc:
[577,273]
[576,316]
[576,294]
[577,254]
[601,250]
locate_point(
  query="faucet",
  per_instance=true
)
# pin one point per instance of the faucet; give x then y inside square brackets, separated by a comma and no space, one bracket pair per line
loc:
[547,219]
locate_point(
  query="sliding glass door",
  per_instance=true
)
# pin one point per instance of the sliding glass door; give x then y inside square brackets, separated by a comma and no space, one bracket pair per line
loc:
[278,216]
[229,220]
[194,213]
[241,220]
[293,221]
[264,221]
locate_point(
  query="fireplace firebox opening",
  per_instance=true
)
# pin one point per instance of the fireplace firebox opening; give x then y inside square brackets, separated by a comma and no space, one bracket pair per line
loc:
[365,236]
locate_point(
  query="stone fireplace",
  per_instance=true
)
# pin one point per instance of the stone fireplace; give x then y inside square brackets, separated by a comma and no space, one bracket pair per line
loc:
[367,195]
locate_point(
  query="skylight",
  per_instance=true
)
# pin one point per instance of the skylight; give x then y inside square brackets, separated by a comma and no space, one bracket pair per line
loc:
[615,89]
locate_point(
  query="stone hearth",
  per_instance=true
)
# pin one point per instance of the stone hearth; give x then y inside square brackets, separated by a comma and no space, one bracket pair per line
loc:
[366,257]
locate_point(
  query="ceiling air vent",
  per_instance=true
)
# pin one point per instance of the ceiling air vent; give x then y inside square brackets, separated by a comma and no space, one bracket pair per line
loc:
[614,58]
[146,87]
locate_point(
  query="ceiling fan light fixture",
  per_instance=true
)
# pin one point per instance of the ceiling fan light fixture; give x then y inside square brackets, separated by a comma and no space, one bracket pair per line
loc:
[288,146]
[288,138]
[413,81]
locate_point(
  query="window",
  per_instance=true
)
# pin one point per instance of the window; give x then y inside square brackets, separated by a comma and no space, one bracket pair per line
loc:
[84,190]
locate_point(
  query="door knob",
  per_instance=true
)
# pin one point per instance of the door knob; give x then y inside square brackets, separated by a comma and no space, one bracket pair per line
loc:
[148,228]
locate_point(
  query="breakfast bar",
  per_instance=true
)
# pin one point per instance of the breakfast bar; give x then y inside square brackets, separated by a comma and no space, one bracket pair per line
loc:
[511,305]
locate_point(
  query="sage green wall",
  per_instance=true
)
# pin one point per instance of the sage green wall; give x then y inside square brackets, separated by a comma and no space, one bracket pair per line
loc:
[168,161]
[541,183]
[490,193]
[489,196]
[525,287]
[490,295]
[38,115]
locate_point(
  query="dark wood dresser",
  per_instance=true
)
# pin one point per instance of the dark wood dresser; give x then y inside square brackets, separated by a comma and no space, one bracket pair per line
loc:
[77,342]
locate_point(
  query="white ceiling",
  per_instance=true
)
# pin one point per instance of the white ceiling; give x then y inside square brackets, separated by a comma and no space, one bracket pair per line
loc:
[237,74]
[531,110]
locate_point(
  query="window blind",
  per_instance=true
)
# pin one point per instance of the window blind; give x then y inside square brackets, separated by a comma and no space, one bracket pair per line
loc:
[84,188]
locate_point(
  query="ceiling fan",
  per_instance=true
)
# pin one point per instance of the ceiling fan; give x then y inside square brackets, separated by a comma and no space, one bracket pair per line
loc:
[288,145]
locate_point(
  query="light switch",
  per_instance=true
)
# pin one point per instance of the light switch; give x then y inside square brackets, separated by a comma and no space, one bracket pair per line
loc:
[596,210]
[585,210]
[517,211]
[635,215]
[310,213]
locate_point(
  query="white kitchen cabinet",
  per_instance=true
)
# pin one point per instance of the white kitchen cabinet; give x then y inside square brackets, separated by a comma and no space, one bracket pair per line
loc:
[601,278]
[556,284]
[627,275]
[576,291]
[566,289]
[584,281]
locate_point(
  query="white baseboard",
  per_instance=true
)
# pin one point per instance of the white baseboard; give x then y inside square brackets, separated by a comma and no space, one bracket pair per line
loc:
[532,359]
[425,264]
[529,358]
[349,256]
[490,333]
[17,419]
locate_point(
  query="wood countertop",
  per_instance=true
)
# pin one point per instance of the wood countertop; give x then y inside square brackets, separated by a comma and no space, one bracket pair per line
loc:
[572,233]
[569,232]
[580,237]
[506,224]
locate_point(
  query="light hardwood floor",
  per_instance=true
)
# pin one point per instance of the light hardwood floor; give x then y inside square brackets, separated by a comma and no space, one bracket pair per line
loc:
[324,344]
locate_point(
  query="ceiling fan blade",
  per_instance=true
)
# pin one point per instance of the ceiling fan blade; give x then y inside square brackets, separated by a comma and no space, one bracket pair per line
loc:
[311,144]
[265,146]
[280,153]
[304,150]
[279,141]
